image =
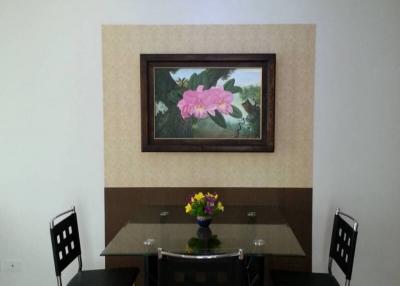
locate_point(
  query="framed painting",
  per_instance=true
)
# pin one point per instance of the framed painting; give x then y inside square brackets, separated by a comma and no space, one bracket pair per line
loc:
[207,102]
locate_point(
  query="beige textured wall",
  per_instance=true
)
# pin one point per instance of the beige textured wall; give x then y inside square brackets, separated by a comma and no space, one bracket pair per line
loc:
[291,163]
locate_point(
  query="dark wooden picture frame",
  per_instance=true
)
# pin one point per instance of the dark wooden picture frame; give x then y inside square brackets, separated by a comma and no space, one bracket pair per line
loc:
[153,68]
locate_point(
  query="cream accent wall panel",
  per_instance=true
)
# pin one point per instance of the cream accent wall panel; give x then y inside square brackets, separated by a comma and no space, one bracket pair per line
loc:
[291,163]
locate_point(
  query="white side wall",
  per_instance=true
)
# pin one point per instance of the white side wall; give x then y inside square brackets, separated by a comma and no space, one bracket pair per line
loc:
[51,137]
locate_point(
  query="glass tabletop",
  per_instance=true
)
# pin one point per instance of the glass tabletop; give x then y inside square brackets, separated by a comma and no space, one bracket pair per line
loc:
[255,230]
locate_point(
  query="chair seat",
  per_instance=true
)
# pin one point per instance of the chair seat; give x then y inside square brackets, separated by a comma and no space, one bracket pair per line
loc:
[105,277]
[288,278]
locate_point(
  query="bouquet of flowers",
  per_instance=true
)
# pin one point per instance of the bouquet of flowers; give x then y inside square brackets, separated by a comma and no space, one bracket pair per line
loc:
[204,205]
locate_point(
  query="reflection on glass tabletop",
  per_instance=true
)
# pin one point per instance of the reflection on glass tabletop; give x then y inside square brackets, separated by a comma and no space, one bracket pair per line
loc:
[257,230]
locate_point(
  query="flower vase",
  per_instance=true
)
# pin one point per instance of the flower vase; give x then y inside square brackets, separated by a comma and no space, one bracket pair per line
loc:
[203,221]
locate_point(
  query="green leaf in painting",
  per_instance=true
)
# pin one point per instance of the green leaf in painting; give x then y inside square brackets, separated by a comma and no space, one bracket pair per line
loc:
[210,76]
[252,93]
[229,84]
[164,83]
[171,125]
[203,79]
[218,119]
[193,81]
[174,96]
[236,112]
[236,89]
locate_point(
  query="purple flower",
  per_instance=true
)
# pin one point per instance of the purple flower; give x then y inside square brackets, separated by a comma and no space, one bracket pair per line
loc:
[208,210]
[210,199]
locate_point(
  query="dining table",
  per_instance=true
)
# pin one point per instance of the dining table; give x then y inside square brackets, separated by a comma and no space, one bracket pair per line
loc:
[259,231]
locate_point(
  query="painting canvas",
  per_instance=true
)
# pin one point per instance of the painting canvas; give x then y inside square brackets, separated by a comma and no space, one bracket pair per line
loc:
[206,103]
[213,103]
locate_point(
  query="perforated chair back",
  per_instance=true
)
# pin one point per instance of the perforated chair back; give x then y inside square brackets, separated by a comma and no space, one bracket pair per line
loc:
[195,270]
[65,241]
[343,244]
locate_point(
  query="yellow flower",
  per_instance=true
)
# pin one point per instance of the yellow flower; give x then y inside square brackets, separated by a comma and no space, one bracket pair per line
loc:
[188,208]
[198,196]
[220,206]
[211,195]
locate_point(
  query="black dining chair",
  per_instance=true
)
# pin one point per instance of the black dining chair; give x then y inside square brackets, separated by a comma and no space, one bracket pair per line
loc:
[342,250]
[175,269]
[66,248]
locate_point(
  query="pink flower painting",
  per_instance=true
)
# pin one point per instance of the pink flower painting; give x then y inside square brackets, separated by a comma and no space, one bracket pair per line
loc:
[204,103]
[200,103]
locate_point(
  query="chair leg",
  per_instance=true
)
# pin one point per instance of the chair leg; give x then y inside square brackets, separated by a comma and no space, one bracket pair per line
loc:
[59,283]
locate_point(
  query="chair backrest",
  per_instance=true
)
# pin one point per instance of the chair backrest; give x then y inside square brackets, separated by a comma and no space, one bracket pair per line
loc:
[343,243]
[206,270]
[65,241]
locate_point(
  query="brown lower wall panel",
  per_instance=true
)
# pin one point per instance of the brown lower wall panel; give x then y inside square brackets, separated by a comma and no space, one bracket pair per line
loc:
[295,204]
